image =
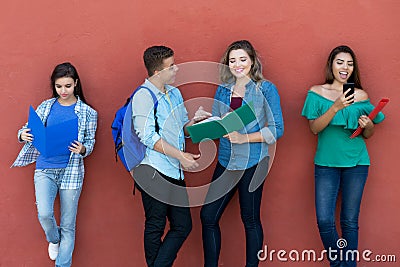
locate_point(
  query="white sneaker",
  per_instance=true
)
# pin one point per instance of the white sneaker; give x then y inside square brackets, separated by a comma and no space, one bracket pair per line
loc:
[53,250]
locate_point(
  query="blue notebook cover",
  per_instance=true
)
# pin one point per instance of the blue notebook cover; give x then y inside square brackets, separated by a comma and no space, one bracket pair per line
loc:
[52,140]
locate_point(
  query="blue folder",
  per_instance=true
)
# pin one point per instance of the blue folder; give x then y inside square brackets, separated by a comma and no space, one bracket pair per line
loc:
[52,140]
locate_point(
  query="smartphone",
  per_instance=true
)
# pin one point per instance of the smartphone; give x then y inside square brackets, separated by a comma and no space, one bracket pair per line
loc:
[350,86]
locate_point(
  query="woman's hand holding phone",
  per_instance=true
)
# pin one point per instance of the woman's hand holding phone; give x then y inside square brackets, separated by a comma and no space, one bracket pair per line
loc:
[348,90]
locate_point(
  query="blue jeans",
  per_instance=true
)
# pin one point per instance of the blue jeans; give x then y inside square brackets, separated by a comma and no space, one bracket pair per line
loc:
[47,185]
[350,182]
[162,252]
[211,213]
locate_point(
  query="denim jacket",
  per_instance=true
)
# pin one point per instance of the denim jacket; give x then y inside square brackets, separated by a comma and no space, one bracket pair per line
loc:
[269,122]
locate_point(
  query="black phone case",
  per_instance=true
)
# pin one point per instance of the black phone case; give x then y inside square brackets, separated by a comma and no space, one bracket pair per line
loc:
[346,86]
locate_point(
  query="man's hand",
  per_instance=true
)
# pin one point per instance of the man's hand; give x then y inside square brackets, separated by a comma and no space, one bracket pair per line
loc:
[188,160]
[201,114]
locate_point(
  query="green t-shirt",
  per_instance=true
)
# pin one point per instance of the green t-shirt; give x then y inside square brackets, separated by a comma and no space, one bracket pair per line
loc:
[335,147]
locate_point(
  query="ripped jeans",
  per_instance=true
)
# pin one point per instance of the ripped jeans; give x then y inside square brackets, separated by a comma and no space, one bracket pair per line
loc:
[47,185]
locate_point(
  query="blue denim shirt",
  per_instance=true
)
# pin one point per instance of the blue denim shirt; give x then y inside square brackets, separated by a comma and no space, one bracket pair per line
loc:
[269,122]
[171,117]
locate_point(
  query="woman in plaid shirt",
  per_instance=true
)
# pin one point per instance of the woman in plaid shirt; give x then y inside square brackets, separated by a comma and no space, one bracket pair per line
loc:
[61,174]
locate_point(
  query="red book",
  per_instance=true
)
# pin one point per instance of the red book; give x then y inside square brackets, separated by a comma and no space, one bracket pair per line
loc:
[372,115]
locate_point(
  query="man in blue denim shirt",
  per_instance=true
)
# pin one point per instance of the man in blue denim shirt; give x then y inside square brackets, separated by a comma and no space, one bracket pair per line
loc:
[159,176]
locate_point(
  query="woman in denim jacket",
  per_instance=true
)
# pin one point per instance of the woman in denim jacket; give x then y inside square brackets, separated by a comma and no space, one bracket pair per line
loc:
[243,155]
[61,174]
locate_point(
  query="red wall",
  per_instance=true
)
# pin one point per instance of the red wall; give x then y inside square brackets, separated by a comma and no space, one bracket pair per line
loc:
[105,40]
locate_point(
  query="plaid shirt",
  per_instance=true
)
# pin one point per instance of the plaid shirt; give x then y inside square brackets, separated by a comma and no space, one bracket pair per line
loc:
[87,124]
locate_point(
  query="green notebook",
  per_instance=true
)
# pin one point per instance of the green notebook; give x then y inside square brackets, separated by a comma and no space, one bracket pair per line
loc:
[215,127]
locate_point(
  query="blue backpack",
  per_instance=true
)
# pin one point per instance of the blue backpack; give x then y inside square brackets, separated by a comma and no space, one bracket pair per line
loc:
[127,144]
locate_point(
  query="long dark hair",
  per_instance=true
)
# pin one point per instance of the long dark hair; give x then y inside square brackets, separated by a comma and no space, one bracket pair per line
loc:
[256,68]
[355,76]
[67,70]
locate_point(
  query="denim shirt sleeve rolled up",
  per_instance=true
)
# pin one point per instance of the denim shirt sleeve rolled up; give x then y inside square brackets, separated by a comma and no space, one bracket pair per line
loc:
[269,122]
[274,128]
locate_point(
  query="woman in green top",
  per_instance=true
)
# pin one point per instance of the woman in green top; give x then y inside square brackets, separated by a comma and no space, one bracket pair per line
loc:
[341,163]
